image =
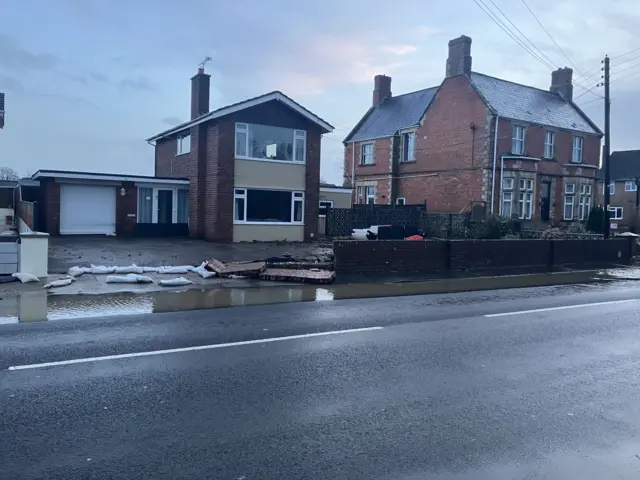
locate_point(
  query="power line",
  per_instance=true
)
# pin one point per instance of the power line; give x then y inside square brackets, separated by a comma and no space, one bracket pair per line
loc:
[625,69]
[624,54]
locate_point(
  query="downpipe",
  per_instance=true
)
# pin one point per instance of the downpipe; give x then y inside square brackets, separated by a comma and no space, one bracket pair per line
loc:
[493,174]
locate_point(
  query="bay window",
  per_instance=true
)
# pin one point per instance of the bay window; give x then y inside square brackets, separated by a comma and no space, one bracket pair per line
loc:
[265,142]
[526,199]
[569,194]
[584,201]
[506,205]
[366,195]
[268,206]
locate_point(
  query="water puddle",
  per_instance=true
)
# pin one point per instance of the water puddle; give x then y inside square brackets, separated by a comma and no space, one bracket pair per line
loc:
[39,306]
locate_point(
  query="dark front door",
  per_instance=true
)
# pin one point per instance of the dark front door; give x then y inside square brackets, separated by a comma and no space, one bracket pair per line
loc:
[165,206]
[545,201]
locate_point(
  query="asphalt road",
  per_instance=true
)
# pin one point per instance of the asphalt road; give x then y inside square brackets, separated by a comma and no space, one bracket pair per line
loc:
[464,386]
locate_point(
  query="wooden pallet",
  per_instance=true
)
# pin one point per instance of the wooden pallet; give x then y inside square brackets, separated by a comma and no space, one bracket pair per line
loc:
[249,269]
[301,276]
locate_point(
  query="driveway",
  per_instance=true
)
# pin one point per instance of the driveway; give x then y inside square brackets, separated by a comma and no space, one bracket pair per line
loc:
[65,252]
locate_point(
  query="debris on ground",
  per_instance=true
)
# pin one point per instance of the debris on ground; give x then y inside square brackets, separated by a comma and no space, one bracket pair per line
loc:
[225,270]
[175,270]
[314,275]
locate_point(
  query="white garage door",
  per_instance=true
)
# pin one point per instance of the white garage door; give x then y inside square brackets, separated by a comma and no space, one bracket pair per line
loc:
[87,209]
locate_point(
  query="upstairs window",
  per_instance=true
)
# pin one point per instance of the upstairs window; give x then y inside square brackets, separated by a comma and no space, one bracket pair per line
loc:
[612,188]
[549,144]
[578,144]
[409,147]
[265,142]
[517,140]
[630,186]
[366,154]
[183,144]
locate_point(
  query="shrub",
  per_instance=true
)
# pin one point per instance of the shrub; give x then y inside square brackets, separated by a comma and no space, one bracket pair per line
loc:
[595,222]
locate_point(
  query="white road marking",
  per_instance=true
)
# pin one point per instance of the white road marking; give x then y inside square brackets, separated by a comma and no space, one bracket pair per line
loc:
[565,307]
[190,349]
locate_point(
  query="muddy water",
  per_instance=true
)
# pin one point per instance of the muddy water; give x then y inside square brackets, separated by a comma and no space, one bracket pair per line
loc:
[38,306]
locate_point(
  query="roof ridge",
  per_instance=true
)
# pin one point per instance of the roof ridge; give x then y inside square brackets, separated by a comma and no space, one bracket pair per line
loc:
[410,93]
[519,84]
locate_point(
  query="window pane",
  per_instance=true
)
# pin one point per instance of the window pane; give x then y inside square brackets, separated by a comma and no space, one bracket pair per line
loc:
[241,144]
[273,143]
[297,210]
[145,201]
[268,206]
[183,206]
[300,149]
[238,209]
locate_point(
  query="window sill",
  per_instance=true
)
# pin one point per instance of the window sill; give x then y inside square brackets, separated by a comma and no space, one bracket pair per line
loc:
[292,224]
[402,162]
[366,164]
[288,162]
[183,153]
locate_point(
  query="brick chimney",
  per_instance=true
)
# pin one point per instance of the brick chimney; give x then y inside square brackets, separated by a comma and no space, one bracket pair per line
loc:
[381,89]
[200,84]
[459,61]
[562,83]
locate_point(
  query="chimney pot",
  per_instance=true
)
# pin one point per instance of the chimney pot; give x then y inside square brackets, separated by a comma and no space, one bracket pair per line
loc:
[200,86]
[459,60]
[381,89]
[562,83]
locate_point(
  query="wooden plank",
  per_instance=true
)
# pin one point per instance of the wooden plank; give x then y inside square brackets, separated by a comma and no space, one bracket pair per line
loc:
[249,269]
[316,276]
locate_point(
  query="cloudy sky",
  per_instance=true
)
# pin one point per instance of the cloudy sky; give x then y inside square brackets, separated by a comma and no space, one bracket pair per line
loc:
[88,80]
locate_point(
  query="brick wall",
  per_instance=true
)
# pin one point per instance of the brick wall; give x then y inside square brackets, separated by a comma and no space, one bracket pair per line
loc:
[619,198]
[500,256]
[126,205]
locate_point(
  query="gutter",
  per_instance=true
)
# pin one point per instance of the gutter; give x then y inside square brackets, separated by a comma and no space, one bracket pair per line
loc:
[495,154]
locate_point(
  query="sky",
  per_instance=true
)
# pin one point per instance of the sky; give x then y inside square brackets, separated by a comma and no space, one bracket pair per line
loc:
[87,81]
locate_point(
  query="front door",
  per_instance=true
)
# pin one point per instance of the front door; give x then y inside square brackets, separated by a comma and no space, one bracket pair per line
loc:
[545,201]
[165,206]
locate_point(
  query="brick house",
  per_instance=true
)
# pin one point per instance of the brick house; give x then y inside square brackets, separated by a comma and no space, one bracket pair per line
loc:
[475,139]
[253,167]
[624,195]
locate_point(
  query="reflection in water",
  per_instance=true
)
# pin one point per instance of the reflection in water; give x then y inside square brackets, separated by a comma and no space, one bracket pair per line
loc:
[38,306]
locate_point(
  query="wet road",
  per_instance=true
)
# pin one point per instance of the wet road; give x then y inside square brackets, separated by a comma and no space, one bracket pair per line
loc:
[531,383]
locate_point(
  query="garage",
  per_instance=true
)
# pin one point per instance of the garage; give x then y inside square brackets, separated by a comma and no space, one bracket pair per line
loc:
[87,209]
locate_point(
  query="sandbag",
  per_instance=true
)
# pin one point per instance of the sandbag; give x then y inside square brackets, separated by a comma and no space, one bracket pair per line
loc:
[102,270]
[76,271]
[131,278]
[175,282]
[129,269]
[149,269]
[175,270]
[204,273]
[63,282]
[25,277]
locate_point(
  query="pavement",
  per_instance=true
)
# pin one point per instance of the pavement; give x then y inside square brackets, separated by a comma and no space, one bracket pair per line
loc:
[526,383]
[68,251]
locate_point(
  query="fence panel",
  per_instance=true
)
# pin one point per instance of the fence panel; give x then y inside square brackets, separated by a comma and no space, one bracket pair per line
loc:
[27,212]
[450,225]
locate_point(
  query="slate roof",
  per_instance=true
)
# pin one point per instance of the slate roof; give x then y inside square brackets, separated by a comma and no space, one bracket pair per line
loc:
[530,104]
[393,114]
[624,165]
[507,99]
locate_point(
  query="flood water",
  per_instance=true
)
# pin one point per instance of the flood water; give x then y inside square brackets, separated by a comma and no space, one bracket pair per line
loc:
[40,306]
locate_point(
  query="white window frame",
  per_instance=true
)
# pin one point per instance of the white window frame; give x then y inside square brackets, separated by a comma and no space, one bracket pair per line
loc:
[408,140]
[518,135]
[549,144]
[241,193]
[577,149]
[368,195]
[183,144]
[154,203]
[569,194]
[401,201]
[359,195]
[525,198]
[365,155]
[244,128]
[612,188]
[584,201]
[630,186]
[613,213]
[507,192]
[320,205]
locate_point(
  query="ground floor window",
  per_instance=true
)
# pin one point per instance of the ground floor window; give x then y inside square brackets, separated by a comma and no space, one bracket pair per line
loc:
[525,200]
[324,206]
[268,206]
[584,201]
[615,213]
[366,194]
[401,201]
[569,195]
[163,205]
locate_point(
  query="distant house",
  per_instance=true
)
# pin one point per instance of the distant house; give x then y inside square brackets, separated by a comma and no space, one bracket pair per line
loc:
[517,149]
[334,196]
[624,194]
[253,167]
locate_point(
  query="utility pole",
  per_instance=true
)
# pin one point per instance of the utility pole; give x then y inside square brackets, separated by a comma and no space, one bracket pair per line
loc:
[607,148]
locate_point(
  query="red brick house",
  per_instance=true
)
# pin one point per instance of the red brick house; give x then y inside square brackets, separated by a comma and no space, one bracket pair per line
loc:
[624,203]
[253,167]
[520,150]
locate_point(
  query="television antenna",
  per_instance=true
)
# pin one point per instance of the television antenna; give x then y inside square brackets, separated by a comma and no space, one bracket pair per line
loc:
[204,62]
